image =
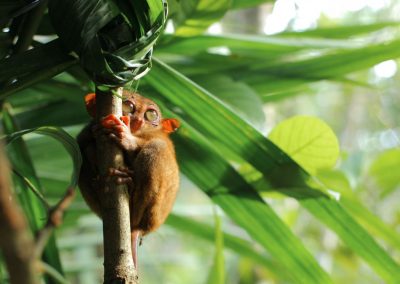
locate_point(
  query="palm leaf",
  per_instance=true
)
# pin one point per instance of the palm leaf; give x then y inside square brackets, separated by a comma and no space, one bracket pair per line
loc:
[238,245]
[336,180]
[113,39]
[332,65]
[242,4]
[221,124]
[193,17]
[341,31]
[64,138]
[202,164]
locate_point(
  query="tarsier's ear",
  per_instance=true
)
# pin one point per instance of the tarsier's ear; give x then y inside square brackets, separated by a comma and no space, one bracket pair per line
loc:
[90,102]
[170,125]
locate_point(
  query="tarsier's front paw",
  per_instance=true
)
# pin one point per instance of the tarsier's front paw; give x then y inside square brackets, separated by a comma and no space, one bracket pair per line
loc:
[116,129]
[122,176]
[112,120]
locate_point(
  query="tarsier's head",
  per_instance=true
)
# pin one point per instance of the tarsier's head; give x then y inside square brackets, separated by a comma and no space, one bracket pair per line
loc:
[143,113]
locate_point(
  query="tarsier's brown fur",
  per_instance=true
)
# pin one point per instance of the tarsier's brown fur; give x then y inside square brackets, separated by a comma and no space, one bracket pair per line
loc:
[152,173]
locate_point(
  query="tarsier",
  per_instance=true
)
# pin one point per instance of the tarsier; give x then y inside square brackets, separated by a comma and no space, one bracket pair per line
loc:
[152,173]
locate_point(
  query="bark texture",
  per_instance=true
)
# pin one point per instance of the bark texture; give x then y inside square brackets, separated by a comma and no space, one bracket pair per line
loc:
[114,199]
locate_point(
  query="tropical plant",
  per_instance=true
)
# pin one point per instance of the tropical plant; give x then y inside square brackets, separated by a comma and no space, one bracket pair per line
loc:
[217,85]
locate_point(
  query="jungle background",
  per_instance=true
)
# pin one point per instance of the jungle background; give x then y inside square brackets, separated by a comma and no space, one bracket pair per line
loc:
[317,78]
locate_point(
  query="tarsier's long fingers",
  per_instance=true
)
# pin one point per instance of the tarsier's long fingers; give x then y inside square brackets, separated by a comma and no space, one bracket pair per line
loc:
[112,127]
[112,120]
[116,125]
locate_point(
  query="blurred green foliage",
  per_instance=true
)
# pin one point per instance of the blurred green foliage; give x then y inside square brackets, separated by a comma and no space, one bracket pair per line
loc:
[231,91]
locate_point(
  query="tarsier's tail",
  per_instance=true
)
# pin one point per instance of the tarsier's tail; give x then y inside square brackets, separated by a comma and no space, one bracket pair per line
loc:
[135,239]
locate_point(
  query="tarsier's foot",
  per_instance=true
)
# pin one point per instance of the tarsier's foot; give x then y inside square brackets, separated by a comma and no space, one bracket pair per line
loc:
[121,175]
[100,181]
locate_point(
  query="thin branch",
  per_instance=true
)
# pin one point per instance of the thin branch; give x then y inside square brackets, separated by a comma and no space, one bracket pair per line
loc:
[53,273]
[16,242]
[55,218]
[114,200]
[20,251]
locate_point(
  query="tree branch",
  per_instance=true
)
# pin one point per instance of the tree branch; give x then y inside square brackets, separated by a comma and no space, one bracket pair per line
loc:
[55,218]
[114,199]
[16,242]
[20,251]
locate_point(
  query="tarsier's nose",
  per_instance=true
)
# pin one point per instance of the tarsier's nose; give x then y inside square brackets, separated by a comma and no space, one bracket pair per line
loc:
[136,124]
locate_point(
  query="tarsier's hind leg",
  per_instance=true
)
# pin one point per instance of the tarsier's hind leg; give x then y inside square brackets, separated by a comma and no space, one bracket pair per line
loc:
[146,185]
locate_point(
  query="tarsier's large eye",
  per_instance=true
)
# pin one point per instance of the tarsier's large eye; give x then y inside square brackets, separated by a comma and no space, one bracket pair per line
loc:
[151,115]
[128,107]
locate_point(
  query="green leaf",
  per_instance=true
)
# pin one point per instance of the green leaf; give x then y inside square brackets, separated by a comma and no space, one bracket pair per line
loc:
[382,170]
[337,181]
[238,245]
[217,123]
[64,138]
[217,273]
[331,65]
[339,220]
[371,222]
[307,140]
[193,17]
[341,31]
[200,161]
[56,114]
[242,4]
[266,47]
[261,62]
[40,58]
[239,96]
[274,89]
[204,164]
[32,66]
[113,39]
